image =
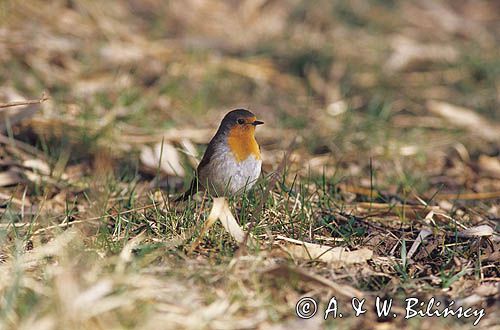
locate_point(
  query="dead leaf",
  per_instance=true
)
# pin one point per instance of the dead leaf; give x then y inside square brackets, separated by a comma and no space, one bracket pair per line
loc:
[328,254]
[408,52]
[229,222]
[483,230]
[39,169]
[9,178]
[148,157]
[37,165]
[170,161]
[220,211]
[190,150]
[466,118]
[490,165]
[421,236]
[25,202]
[126,253]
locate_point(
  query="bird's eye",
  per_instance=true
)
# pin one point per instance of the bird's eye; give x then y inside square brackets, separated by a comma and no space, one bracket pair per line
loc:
[241,121]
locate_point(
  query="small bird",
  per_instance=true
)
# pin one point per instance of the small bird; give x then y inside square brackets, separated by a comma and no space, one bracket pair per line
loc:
[232,162]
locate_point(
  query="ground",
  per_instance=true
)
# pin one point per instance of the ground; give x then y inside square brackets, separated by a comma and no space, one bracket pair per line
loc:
[381,174]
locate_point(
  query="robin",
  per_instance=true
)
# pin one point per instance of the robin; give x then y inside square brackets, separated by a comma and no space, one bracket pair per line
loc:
[232,163]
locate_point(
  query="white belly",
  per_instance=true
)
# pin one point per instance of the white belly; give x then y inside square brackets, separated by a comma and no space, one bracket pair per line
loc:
[225,176]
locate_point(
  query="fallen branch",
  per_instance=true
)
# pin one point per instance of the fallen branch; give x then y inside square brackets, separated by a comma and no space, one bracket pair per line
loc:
[26,102]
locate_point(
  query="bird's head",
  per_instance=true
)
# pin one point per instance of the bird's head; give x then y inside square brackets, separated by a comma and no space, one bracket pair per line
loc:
[239,122]
[239,128]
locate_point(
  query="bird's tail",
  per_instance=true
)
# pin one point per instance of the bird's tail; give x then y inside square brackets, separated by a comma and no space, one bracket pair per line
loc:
[193,189]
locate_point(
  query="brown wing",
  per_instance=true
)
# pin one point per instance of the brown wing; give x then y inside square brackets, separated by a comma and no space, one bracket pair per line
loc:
[195,184]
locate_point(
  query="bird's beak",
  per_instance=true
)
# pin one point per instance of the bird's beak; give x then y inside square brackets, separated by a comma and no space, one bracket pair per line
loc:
[257,122]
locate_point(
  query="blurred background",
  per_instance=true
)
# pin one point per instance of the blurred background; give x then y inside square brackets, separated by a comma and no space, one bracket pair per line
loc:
[388,101]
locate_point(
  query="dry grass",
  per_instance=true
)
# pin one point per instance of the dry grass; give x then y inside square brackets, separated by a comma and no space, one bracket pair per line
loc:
[394,110]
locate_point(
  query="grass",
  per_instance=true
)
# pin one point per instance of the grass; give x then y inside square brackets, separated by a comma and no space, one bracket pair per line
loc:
[164,235]
[99,243]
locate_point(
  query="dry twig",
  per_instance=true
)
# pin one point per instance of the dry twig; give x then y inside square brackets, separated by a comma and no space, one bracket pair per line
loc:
[27,102]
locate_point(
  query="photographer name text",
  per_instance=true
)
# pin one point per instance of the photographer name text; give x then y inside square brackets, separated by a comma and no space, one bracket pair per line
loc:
[307,307]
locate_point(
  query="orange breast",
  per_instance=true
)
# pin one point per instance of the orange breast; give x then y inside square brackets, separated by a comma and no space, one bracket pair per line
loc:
[241,141]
